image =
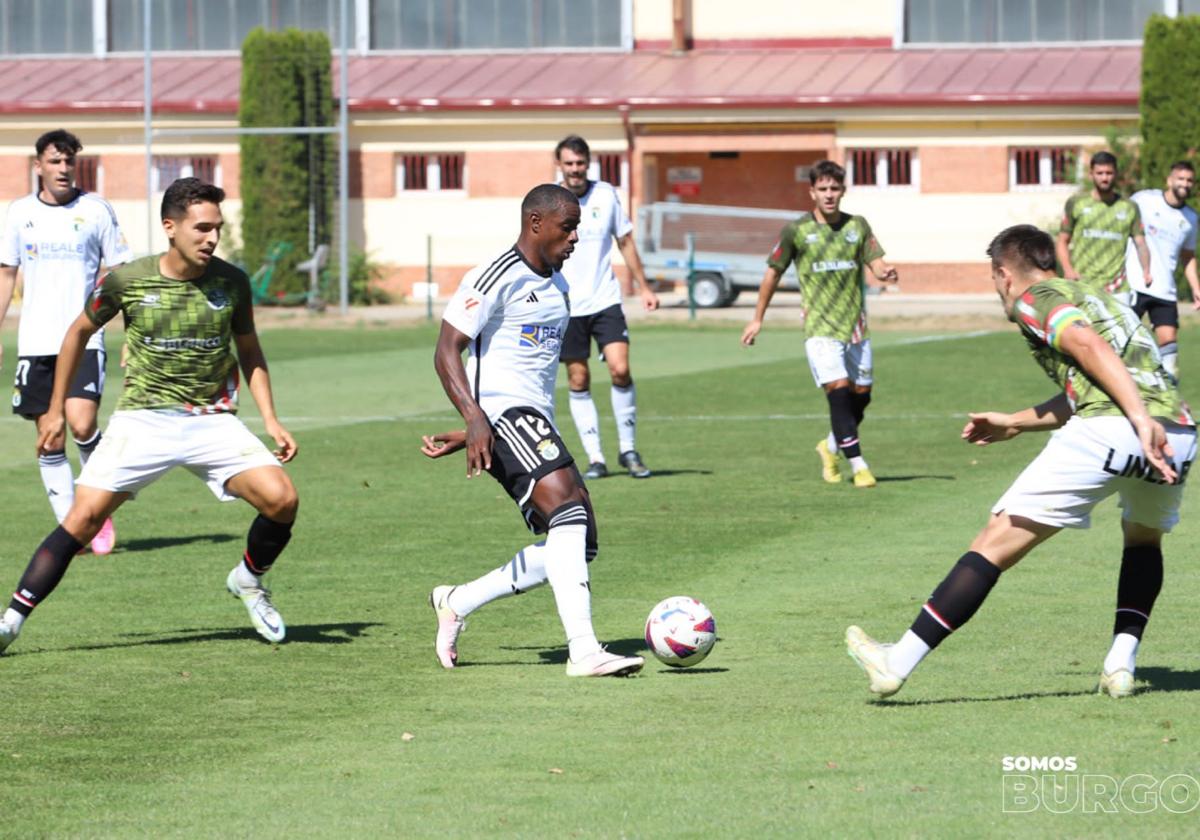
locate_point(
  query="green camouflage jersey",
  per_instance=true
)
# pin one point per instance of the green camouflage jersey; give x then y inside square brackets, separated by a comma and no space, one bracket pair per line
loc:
[1050,307]
[1099,234]
[178,332]
[829,263]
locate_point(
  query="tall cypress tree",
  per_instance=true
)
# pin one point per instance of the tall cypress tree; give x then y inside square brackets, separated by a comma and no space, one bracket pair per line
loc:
[286,180]
[1170,109]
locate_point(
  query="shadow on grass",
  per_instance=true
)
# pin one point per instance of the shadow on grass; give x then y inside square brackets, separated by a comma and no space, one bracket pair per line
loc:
[881,479]
[1005,698]
[657,473]
[685,671]
[314,634]
[1168,679]
[154,543]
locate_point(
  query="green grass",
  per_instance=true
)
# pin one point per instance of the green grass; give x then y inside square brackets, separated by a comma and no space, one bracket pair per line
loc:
[138,702]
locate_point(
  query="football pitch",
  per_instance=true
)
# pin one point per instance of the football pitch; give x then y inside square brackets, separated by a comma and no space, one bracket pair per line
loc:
[139,702]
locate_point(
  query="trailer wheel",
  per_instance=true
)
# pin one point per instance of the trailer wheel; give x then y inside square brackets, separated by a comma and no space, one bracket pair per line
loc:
[710,290]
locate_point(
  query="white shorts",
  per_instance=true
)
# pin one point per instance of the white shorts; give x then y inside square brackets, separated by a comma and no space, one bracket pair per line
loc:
[1088,460]
[831,360]
[139,447]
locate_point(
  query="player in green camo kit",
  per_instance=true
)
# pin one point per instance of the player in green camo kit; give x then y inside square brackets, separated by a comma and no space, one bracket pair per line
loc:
[830,249]
[1095,228]
[185,312]
[1121,428]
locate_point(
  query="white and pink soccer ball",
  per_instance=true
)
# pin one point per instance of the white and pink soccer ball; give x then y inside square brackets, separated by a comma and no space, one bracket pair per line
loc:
[680,631]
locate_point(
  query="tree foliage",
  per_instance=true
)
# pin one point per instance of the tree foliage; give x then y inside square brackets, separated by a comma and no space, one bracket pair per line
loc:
[287,181]
[1170,109]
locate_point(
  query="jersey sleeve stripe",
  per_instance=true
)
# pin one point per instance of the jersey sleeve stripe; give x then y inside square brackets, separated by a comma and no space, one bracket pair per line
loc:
[488,279]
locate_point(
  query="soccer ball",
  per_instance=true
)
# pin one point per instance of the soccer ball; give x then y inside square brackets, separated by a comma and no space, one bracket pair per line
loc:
[680,631]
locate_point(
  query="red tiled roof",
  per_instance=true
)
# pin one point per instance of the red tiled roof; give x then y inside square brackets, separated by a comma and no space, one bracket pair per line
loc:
[704,78]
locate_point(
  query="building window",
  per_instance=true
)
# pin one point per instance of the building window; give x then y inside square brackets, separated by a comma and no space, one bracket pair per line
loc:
[167,170]
[1022,21]
[495,24]
[608,168]
[35,27]
[215,25]
[881,167]
[431,172]
[1038,167]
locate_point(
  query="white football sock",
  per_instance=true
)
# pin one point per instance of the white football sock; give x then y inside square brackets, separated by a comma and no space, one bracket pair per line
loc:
[13,619]
[857,463]
[525,571]
[587,423]
[906,654]
[567,571]
[1170,358]
[831,442]
[87,447]
[624,405]
[59,482]
[1122,654]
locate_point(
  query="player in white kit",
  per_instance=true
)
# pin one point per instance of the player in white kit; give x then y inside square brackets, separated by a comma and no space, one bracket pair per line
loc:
[596,309]
[1171,237]
[510,314]
[59,237]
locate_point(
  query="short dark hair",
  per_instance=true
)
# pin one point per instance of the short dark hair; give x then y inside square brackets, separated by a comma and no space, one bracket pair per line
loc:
[1183,164]
[826,169]
[576,144]
[547,198]
[1023,247]
[184,192]
[61,139]
[1103,159]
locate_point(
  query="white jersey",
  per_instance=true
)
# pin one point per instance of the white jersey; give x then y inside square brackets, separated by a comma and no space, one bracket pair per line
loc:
[1168,230]
[516,319]
[589,271]
[59,248]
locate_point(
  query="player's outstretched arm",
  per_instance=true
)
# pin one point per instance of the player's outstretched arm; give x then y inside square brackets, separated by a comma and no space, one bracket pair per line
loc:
[258,380]
[1099,361]
[443,443]
[987,427]
[50,438]
[766,291]
[8,282]
[633,261]
[447,361]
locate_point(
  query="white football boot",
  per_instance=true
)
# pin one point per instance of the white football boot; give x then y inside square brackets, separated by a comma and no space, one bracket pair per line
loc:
[257,600]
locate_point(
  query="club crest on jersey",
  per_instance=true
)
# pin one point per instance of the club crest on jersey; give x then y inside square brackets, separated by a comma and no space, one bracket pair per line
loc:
[217,299]
[548,449]
[78,222]
[852,236]
[812,238]
[537,335]
[31,250]
[595,212]
[1122,215]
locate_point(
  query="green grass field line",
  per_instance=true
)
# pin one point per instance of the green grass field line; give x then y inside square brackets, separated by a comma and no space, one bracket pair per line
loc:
[139,703]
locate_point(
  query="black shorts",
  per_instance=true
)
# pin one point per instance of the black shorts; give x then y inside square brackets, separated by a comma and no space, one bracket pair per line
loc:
[607,326]
[1163,313]
[526,448]
[34,382]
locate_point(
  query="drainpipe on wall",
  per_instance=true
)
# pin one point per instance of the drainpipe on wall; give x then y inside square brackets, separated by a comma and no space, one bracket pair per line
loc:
[679,20]
[629,143]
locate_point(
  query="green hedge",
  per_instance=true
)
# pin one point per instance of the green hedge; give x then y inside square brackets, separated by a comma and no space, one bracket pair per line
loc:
[287,181]
[1170,107]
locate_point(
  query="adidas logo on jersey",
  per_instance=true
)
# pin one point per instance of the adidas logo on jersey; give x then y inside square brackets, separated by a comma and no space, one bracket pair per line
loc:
[533,298]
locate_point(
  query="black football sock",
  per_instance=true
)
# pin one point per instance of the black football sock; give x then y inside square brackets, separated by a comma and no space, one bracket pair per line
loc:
[841,419]
[265,542]
[956,598]
[1137,588]
[46,568]
[859,403]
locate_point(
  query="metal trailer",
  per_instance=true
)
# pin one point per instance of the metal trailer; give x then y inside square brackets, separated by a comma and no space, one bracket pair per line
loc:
[731,247]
